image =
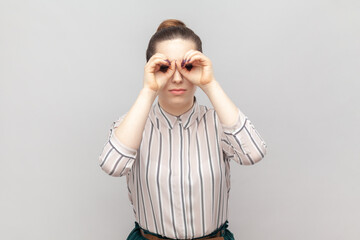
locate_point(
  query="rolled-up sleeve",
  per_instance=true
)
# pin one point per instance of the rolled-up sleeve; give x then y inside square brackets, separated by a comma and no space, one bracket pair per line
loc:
[116,159]
[242,142]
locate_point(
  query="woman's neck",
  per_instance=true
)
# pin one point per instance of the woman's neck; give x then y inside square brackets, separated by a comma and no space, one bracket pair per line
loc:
[176,110]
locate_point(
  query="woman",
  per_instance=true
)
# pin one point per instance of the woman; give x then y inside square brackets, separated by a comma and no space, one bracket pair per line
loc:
[175,153]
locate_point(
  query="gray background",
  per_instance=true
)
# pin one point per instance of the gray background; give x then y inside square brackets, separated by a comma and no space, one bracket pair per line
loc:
[68,69]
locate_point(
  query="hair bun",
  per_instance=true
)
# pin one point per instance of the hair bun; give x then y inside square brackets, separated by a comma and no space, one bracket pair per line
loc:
[170,23]
[171,29]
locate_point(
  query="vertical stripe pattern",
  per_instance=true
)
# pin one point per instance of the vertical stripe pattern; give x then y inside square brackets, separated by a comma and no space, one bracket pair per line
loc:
[179,178]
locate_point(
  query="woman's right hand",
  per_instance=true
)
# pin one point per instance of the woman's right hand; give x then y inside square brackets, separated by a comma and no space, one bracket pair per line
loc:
[157,71]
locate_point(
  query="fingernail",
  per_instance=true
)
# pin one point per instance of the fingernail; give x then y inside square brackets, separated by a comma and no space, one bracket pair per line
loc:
[182,63]
[168,61]
[188,60]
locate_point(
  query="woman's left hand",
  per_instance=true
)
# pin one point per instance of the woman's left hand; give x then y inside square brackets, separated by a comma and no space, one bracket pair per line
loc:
[196,68]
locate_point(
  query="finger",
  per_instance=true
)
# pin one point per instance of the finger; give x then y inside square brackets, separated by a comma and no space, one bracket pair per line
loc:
[188,53]
[191,54]
[196,53]
[162,78]
[158,56]
[179,65]
[171,69]
[155,64]
[167,61]
[186,56]
[183,71]
[167,69]
[198,60]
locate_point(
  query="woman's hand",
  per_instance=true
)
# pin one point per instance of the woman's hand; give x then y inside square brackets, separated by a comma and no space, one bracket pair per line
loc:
[197,68]
[157,71]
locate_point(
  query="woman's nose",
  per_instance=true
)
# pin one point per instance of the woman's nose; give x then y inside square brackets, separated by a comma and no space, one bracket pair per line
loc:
[177,77]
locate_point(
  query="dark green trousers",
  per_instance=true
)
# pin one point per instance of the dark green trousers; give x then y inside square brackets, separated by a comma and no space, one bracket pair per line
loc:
[136,234]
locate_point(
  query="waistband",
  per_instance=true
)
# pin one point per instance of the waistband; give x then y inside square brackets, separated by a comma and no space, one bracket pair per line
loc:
[221,229]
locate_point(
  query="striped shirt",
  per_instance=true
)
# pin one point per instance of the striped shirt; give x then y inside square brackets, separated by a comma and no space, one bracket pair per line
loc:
[179,178]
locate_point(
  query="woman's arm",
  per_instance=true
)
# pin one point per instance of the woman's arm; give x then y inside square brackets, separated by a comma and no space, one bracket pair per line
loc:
[130,130]
[240,140]
[226,110]
[120,150]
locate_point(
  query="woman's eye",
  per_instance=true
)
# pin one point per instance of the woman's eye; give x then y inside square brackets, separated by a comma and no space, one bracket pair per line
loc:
[189,67]
[164,68]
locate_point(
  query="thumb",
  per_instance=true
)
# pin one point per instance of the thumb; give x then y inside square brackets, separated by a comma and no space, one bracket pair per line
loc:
[171,69]
[182,69]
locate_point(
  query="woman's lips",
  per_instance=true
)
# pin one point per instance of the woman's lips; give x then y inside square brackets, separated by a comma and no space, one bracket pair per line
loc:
[178,91]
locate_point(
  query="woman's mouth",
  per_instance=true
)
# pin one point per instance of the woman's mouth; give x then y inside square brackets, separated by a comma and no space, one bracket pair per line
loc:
[177,91]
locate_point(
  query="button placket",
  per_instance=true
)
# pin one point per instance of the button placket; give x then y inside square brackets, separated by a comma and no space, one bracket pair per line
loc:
[180,122]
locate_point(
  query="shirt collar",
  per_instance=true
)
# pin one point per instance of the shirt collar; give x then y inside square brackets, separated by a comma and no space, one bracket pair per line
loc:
[169,120]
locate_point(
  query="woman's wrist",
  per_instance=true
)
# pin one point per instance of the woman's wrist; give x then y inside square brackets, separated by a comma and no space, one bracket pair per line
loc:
[209,87]
[148,92]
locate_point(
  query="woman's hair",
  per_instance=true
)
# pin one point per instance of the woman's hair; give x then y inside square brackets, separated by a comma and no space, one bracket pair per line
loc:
[172,29]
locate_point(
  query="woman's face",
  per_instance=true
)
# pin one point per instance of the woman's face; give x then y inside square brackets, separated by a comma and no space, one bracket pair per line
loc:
[168,98]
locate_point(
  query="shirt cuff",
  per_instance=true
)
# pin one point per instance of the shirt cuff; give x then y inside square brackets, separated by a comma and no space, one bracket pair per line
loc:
[121,148]
[238,124]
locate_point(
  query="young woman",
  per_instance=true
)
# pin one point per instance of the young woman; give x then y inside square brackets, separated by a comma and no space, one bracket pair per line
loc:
[175,153]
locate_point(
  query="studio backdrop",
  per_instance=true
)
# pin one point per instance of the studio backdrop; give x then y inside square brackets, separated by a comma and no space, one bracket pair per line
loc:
[69,69]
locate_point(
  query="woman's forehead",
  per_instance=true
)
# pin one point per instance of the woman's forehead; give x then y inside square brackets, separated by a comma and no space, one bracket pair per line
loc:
[175,49]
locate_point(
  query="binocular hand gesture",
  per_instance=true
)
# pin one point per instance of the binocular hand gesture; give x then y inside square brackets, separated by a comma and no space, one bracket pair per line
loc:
[158,70]
[196,67]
